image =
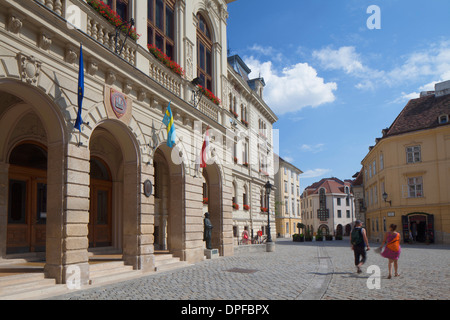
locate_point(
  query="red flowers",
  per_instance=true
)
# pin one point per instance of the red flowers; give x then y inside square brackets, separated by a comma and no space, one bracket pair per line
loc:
[112,16]
[209,95]
[246,207]
[205,200]
[264,209]
[235,206]
[161,56]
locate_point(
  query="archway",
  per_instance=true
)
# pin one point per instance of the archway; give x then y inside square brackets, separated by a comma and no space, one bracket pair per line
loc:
[348,230]
[27,115]
[114,190]
[211,174]
[325,230]
[169,193]
[339,230]
[418,225]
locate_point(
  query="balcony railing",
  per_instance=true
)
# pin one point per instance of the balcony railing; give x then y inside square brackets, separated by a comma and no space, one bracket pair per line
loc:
[209,108]
[164,76]
[54,5]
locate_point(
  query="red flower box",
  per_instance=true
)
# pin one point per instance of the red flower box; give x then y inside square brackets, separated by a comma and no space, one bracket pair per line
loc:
[246,207]
[264,209]
[205,200]
[209,95]
[161,56]
[112,16]
[235,206]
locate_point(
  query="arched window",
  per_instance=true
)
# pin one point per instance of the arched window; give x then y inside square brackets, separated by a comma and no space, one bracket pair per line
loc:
[161,25]
[204,54]
[121,7]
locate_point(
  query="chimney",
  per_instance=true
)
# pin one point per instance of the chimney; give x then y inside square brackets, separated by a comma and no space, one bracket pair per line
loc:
[442,88]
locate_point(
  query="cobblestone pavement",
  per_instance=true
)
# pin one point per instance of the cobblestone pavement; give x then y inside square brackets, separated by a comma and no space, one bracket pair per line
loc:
[295,271]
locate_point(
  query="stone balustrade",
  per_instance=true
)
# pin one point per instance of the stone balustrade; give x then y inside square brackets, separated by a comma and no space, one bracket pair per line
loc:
[209,108]
[54,5]
[164,76]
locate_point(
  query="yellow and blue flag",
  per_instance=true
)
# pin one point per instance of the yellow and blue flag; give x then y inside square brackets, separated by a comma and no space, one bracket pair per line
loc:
[168,121]
[79,120]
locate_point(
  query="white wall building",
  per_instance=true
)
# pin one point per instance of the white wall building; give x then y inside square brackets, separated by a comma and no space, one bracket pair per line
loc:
[328,205]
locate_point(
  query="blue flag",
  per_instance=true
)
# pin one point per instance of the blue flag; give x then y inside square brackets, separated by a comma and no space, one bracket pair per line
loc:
[168,121]
[79,120]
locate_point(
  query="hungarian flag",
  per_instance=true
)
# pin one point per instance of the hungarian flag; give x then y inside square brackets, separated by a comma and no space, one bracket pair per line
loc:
[205,149]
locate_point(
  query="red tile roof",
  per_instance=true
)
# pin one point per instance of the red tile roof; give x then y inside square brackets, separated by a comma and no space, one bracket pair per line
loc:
[331,185]
[419,114]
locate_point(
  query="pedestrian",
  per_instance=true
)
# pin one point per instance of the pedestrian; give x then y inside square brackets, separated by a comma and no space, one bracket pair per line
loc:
[359,242]
[245,236]
[392,250]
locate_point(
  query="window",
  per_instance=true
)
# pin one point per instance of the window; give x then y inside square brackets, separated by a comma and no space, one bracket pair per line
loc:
[322,212]
[121,7]
[338,201]
[348,213]
[374,167]
[413,154]
[415,187]
[161,25]
[204,54]
[381,162]
[339,214]
[285,187]
[370,171]
[443,119]
[286,205]
[347,201]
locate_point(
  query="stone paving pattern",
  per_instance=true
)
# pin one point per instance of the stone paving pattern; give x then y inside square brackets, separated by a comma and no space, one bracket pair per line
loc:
[295,271]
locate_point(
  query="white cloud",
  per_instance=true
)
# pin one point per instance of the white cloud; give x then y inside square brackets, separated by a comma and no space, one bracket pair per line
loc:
[312,148]
[344,58]
[432,63]
[315,173]
[293,88]
[288,159]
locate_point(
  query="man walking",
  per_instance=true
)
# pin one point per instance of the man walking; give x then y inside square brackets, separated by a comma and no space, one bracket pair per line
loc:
[359,242]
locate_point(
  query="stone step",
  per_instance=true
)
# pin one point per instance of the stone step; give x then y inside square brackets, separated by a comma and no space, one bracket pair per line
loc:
[171,266]
[107,269]
[31,288]
[20,278]
[116,276]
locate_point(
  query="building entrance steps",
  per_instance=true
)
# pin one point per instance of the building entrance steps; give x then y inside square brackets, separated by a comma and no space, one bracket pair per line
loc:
[22,277]
[165,261]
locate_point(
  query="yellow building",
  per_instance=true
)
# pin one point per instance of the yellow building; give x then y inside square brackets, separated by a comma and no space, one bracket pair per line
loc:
[287,197]
[407,172]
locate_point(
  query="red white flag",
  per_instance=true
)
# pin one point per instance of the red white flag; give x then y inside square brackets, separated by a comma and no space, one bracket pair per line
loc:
[205,149]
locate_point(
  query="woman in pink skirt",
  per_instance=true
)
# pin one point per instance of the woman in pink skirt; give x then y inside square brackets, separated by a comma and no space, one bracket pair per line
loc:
[393,249]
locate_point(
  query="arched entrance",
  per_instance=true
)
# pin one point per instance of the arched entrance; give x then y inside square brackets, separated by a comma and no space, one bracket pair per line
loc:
[324,229]
[339,230]
[27,198]
[169,193]
[212,178]
[114,190]
[419,226]
[348,230]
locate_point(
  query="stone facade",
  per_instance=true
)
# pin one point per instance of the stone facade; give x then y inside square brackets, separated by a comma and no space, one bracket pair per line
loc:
[39,55]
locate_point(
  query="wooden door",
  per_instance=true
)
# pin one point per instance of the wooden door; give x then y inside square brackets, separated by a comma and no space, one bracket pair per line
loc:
[27,210]
[100,211]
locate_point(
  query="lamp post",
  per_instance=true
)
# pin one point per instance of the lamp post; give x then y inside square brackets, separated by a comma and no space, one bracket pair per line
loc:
[385,196]
[270,245]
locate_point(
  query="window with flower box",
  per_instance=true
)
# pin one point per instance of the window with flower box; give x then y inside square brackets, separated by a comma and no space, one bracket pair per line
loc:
[161,26]
[121,7]
[204,54]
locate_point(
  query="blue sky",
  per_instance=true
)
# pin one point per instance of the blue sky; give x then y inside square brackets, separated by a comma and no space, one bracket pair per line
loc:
[333,82]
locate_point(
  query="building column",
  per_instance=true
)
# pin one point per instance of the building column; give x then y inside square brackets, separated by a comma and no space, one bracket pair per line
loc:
[146,259]
[68,214]
[194,244]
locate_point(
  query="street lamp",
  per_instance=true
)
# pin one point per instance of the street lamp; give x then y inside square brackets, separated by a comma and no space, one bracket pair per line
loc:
[385,196]
[197,93]
[269,188]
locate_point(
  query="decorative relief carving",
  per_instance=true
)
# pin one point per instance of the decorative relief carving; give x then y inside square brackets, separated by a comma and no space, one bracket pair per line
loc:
[29,68]
[92,66]
[110,77]
[15,22]
[189,60]
[71,54]
[45,40]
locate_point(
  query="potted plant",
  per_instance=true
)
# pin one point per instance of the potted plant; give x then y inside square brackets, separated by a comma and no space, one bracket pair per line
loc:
[246,207]
[235,206]
[264,209]
[164,59]
[319,236]
[329,237]
[308,237]
[205,200]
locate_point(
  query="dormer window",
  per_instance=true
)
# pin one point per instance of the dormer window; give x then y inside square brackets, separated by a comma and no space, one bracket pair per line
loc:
[443,119]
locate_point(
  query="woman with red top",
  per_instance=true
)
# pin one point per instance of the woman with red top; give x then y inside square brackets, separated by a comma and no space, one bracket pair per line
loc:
[393,249]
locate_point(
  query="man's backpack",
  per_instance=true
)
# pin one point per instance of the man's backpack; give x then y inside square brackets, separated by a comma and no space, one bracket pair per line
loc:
[356,237]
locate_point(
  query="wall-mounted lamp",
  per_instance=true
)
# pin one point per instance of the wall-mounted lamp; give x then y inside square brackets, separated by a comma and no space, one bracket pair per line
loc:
[385,196]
